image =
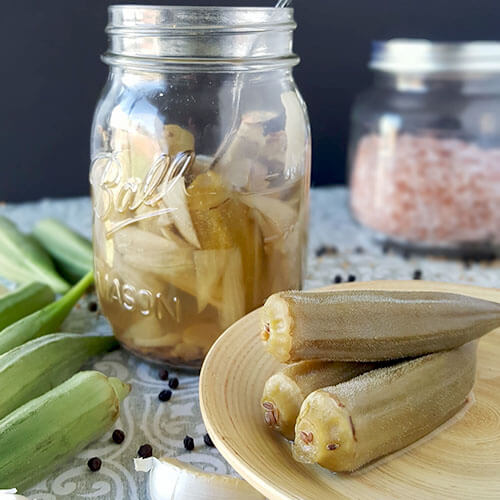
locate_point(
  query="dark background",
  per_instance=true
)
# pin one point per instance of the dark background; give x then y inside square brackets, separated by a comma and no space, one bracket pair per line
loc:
[52,76]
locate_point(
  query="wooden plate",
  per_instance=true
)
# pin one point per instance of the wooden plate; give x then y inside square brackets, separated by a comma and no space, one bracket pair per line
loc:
[460,460]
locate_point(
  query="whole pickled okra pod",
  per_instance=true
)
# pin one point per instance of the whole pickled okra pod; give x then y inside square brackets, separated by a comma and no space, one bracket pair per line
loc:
[32,369]
[353,423]
[44,321]
[286,390]
[24,301]
[44,433]
[372,325]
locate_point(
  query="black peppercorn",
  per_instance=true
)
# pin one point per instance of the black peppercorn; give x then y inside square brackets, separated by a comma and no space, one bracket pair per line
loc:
[163,374]
[94,464]
[208,441]
[189,443]
[145,451]
[417,274]
[326,250]
[337,279]
[165,395]
[118,436]
[173,383]
[351,278]
[359,250]
[93,306]
[320,251]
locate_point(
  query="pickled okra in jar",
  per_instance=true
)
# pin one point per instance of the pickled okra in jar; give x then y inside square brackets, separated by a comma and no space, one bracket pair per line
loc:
[200,187]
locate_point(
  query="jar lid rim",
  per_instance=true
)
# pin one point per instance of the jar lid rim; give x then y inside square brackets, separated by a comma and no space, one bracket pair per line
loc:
[186,18]
[415,55]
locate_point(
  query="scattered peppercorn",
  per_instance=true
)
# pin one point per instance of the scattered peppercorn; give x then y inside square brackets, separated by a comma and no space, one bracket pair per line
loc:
[359,250]
[165,395]
[173,383]
[163,374]
[93,306]
[94,464]
[118,436]
[467,263]
[145,451]
[189,443]
[406,254]
[326,250]
[208,441]
[337,279]
[385,248]
[417,274]
[351,278]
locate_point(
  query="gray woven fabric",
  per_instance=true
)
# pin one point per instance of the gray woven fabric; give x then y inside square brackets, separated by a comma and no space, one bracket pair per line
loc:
[164,425]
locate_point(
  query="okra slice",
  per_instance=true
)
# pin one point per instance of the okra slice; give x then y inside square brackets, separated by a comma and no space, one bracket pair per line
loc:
[346,426]
[372,325]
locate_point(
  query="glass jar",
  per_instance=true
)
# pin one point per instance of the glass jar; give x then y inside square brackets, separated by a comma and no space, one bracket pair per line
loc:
[425,145]
[200,174]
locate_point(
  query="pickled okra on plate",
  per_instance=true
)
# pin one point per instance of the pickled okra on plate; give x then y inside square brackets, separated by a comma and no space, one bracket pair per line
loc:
[372,325]
[348,425]
[286,390]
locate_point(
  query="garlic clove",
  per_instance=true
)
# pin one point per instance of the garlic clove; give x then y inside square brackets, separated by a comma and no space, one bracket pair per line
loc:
[11,495]
[170,479]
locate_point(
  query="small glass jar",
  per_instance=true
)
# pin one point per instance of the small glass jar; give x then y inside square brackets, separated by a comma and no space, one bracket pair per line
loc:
[200,174]
[425,146]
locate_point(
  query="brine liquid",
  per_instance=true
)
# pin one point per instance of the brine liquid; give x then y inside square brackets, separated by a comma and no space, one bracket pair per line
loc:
[174,271]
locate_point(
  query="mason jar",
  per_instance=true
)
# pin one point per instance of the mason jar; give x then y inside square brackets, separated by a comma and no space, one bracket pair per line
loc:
[200,174]
[425,146]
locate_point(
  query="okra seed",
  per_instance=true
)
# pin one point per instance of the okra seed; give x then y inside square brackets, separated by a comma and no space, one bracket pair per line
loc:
[332,446]
[145,451]
[189,443]
[417,274]
[165,395]
[94,464]
[163,374]
[269,418]
[118,436]
[208,441]
[267,405]
[173,383]
[353,429]
[337,279]
[351,278]
[307,437]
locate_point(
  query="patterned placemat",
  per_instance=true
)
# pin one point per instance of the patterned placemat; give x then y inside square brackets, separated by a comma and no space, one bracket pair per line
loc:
[339,250]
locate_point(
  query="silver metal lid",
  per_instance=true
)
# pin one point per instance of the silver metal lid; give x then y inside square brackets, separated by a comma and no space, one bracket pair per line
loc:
[200,33]
[401,55]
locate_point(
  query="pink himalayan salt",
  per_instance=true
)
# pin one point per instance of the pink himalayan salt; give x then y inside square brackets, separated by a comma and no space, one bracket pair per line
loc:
[427,190]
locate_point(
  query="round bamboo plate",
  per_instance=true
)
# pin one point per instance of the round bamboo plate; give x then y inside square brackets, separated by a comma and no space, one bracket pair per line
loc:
[459,460]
